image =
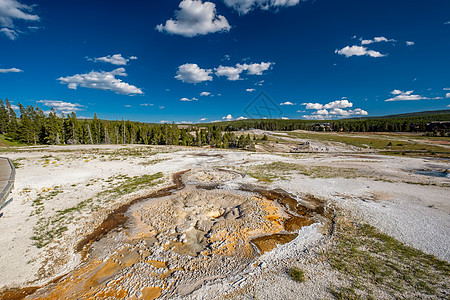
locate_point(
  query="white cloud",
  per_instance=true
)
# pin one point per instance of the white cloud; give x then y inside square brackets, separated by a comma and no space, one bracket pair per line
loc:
[61,106]
[115,59]
[321,112]
[162,107]
[188,100]
[205,93]
[245,6]
[359,111]
[101,81]
[184,122]
[446,89]
[287,103]
[195,18]
[233,73]
[228,117]
[284,118]
[313,105]
[192,73]
[250,90]
[314,117]
[407,96]
[10,33]
[15,107]
[341,112]
[203,119]
[13,9]
[146,104]
[378,39]
[447,23]
[334,108]
[447,95]
[241,118]
[358,51]
[128,105]
[260,83]
[338,104]
[11,70]
[257,69]
[409,43]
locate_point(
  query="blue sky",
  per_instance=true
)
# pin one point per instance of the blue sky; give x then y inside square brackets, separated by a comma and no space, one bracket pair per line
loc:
[192,60]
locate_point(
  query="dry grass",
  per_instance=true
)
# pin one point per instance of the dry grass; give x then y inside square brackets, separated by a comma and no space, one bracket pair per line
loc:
[373,262]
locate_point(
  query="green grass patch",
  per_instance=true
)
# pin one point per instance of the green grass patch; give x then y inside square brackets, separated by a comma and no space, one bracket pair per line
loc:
[297,274]
[391,144]
[48,229]
[279,170]
[7,142]
[372,260]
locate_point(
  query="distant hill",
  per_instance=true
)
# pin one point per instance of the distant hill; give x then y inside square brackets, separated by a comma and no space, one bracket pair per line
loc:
[439,114]
[414,114]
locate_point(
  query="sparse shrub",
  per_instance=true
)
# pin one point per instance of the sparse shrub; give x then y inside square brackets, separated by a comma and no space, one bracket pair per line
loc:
[297,274]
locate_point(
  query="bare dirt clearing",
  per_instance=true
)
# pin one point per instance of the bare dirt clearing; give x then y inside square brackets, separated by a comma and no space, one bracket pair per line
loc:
[239,223]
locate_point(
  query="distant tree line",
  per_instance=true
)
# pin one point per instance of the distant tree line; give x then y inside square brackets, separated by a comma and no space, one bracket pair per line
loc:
[401,123]
[33,126]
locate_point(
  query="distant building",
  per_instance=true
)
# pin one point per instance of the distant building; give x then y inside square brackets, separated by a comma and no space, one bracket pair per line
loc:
[438,126]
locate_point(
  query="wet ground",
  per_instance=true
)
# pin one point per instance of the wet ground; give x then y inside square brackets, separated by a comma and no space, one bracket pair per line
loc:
[173,241]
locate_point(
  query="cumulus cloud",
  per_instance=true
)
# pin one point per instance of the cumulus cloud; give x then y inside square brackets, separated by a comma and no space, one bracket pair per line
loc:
[250,90]
[338,104]
[287,103]
[314,117]
[409,43]
[188,100]
[313,105]
[378,39]
[234,73]
[257,69]
[447,95]
[195,18]
[228,117]
[241,118]
[245,6]
[11,70]
[101,81]
[407,96]
[61,106]
[192,73]
[11,10]
[358,51]
[115,59]
[205,93]
[333,109]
